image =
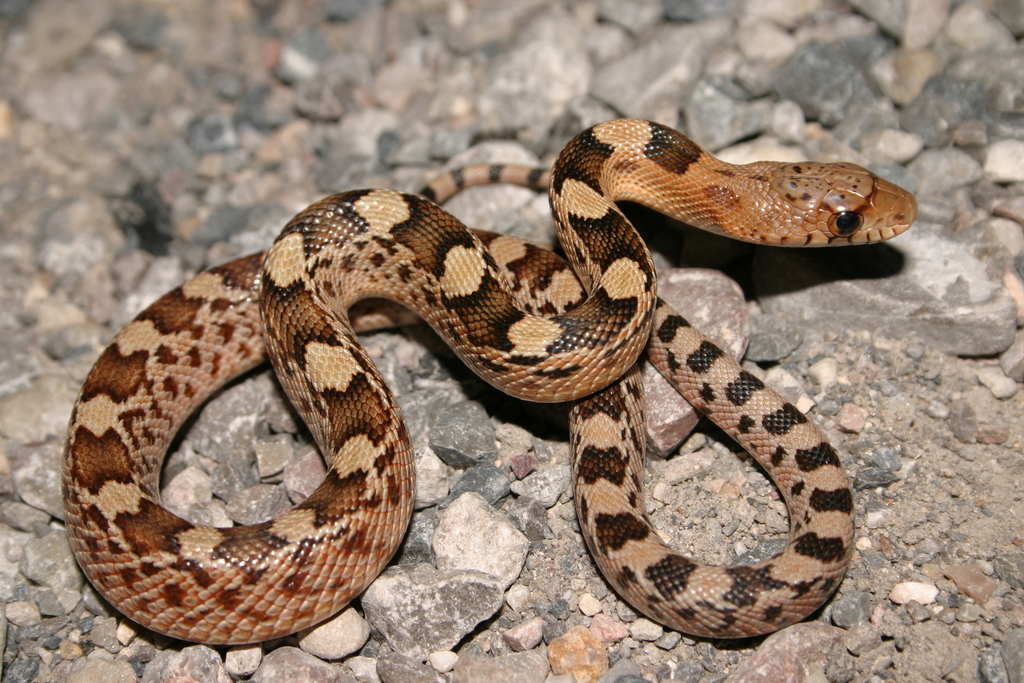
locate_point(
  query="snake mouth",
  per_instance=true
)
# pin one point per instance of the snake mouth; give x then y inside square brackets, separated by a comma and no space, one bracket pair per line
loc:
[896,210]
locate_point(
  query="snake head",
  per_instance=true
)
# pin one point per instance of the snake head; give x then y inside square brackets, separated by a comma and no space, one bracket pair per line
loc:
[842,203]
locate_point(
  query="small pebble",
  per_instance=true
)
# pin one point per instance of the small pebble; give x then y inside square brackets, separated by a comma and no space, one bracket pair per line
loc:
[923,593]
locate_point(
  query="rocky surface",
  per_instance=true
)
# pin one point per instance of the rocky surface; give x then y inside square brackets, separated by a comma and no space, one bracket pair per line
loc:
[143,140]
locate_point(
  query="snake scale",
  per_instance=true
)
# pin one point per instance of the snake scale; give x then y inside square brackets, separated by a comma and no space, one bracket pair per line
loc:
[522,320]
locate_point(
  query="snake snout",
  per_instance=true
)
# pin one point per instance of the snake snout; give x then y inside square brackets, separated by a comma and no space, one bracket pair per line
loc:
[895,207]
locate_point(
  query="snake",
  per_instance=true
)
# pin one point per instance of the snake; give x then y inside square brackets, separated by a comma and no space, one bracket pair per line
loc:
[534,325]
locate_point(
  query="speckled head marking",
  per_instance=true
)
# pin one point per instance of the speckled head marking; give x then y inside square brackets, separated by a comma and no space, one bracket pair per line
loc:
[524,322]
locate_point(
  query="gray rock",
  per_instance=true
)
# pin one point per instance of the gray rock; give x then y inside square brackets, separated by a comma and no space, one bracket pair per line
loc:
[621,670]
[213,132]
[772,339]
[484,479]
[825,80]
[463,436]
[530,517]
[1013,655]
[21,516]
[518,667]
[398,668]
[695,10]
[527,88]
[346,10]
[1010,568]
[940,171]
[418,545]
[715,120]
[101,671]
[1011,12]
[292,664]
[544,486]
[933,288]
[941,107]
[650,81]
[49,562]
[889,14]
[991,668]
[473,535]
[257,504]
[872,477]
[420,610]
[854,607]
[18,366]
[632,15]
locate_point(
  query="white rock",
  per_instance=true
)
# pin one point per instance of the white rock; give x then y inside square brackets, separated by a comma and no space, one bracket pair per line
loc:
[518,597]
[1004,162]
[443,661]
[1001,386]
[589,605]
[338,637]
[824,372]
[189,487]
[646,630]
[924,593]
[473,535]
[243,660]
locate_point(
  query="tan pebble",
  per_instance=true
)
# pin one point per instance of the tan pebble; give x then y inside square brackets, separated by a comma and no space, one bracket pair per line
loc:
[578,653]
[851,418]
[924,593]
[970,580]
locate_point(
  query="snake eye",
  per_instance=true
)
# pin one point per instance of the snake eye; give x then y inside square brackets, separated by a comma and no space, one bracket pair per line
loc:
[845,223]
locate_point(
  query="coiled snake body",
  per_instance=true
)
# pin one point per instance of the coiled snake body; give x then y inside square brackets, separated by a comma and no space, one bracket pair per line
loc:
[518,317]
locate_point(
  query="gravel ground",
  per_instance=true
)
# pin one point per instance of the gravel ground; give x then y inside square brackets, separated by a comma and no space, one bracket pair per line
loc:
[145,140]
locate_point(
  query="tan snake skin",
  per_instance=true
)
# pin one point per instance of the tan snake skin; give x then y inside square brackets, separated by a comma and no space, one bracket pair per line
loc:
[523,322]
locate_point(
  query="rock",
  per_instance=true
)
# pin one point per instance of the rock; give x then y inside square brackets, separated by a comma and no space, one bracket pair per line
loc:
[544,486]
[933,653]
[784,655]
[337,637]
[973,28]
[191,665]
[1004,161]
[518,667]
[1013,655]
[940,171]
[484,479]
[463,436]
[959,310]
[525,635]
[823,97]
[854,607]
[647,82]
[473,535]
[398,668]
[923,593]
[527,87]
[715,120]
[243,660]
[608,630]
[1001,386]
[37,476]
[420,610]
[578,653]
[101,671]
[292,664]
[49,562]
[257,504]
[924,21]
[1010,568]
[942,106]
